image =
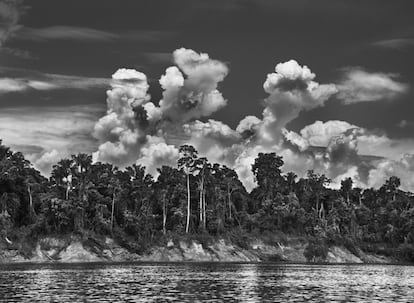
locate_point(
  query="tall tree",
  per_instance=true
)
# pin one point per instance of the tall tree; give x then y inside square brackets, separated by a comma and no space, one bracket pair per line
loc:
[186,162]
[291,180]
[346,188]
[392,185]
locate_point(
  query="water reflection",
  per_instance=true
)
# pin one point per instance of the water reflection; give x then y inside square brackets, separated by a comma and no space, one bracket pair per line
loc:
[206,282]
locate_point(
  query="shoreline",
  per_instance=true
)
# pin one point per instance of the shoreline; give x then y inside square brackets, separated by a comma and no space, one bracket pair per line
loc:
[72,249]
[110,263]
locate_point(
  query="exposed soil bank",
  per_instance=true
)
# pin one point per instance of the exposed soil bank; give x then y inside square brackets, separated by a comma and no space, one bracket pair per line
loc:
[74,249]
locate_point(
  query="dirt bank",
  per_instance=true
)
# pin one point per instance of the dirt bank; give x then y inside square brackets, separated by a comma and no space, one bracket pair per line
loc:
[73,249]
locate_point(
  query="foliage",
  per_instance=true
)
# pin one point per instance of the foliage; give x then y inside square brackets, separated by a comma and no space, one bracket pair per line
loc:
[201,199]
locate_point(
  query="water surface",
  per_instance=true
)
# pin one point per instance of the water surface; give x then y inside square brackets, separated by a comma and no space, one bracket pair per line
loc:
[206,282]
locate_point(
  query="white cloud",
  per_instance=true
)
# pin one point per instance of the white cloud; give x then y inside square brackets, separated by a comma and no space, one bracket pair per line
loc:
[320,133]
[156,153]
[40,130]
[292,90]
[359,85]
[397,43]
[402,168]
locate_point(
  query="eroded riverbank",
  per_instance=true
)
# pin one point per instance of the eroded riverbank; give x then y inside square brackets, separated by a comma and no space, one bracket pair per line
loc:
[75,249]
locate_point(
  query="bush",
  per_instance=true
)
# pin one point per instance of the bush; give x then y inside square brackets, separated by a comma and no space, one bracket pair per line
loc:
[316,250]
[406,252]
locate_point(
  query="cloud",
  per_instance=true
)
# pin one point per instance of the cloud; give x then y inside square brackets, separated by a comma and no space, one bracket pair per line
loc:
[359,85]
[87,34]
[190,88]
[398,43]
[134,126]
[119,130]
[64,33]
[10,12]
[248,126]
[40,130]
[213,139]
[291,89]
[320,133]
[156,153]
[402,168]
[46,160]
[8,85]
[26,80]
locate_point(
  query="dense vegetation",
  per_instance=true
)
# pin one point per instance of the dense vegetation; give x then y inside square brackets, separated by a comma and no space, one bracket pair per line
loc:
[200,198]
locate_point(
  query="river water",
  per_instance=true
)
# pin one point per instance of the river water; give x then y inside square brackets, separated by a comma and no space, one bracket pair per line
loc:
[206,282]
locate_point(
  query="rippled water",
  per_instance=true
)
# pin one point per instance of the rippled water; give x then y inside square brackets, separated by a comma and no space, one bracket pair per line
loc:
[206,282]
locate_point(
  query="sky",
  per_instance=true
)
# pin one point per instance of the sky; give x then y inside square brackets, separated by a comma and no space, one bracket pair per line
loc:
[327,84]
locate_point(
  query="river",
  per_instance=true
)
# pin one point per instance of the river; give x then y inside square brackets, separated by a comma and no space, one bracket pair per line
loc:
[206,282]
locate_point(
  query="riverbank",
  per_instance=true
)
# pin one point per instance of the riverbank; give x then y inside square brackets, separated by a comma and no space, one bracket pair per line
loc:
[78,249]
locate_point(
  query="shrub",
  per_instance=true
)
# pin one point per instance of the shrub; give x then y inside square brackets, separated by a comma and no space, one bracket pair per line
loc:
[406,252]
[316,250]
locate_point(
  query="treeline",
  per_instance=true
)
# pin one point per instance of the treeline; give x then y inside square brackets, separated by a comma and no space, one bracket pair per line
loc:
[199,197]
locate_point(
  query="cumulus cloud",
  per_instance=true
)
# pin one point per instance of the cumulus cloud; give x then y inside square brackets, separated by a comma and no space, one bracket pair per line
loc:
[156,153]
[119,130]
[190,89]
[402,168]
[248,126]
[320,133]
[359,85]
[291,89]
[213,139]
[46,160]
[134,126]
[136,129]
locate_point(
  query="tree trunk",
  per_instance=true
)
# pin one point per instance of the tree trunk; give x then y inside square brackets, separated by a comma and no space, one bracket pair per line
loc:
[200,206]
[67,191]
[31,210]
[204,210]
[187,227]
[317,204]
[164,217]
[112,211]
[229,201]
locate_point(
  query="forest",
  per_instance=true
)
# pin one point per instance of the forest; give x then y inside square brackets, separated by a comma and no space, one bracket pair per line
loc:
[200,198]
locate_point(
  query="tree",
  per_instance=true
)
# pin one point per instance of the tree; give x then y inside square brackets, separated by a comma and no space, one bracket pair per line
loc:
[317,183]
[266,170]
[81,169]
[391,186]
[291,180]
[203,167]
[188,156]
[346,188]
[61,176]
[170,191]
